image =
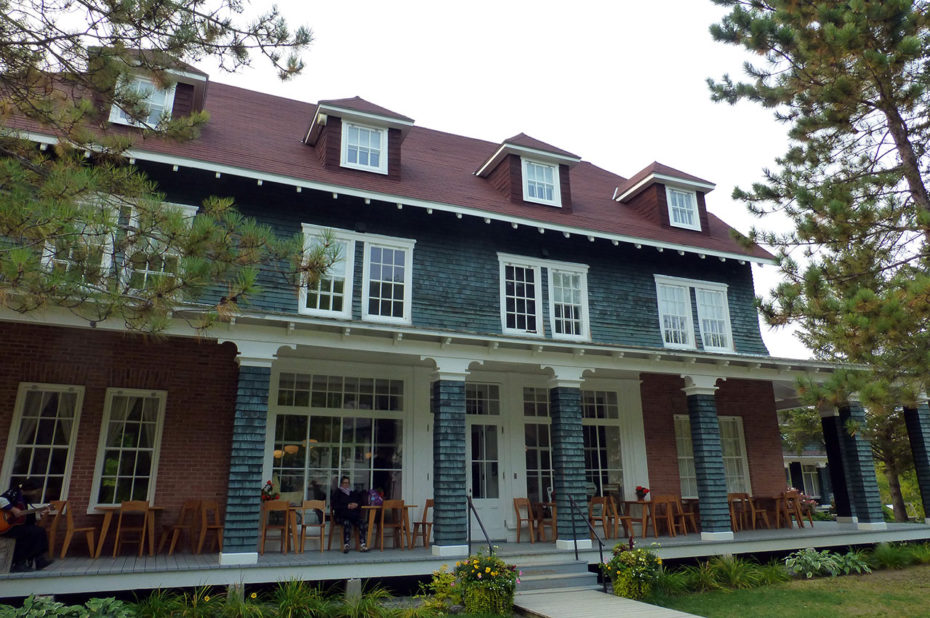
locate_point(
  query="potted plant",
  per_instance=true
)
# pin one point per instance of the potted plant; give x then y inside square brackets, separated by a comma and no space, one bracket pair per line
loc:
[632,571]
[641,492]
[487,584]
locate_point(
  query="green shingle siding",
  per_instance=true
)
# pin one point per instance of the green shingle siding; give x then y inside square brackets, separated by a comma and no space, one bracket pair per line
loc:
[450,515]
[708,463]
[833,438]
[240,529]
[917,421]
[861,472]
[456,271]
[568,461]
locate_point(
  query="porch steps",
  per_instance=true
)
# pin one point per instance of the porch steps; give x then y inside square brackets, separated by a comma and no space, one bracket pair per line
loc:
[550,576]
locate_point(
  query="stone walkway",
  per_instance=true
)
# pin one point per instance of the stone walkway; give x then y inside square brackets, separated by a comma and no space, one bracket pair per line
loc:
[587,604]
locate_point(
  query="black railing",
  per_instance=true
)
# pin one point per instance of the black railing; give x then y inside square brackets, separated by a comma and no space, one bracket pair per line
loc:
[471,508]
[576,513]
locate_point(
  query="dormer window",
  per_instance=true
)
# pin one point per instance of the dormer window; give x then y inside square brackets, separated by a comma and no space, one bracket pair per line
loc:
[364,148]
[682,209]
[157,101]
[541,183]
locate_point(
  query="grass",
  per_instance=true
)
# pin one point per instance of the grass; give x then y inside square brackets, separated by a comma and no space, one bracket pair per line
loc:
[900,592]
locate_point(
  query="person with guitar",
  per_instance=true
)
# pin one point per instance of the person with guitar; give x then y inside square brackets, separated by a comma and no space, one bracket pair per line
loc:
[18,521]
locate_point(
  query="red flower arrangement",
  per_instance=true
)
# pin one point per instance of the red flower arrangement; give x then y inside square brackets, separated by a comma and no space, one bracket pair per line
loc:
[269,493]
[641,491]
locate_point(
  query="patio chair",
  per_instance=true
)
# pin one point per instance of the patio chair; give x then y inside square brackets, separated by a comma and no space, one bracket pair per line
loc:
[619,520]
[757,513]
[791,507]
[210,521]
[335,527]
[424,527]
[739,510]
[598,511]
[544,514]
[663,513]
[312,515]
[184,524]
[524,517]
[132,524]
[392,518]
[275,516]
[63,511]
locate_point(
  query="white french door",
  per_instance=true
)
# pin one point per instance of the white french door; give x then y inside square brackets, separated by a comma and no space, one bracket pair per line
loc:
[485,471]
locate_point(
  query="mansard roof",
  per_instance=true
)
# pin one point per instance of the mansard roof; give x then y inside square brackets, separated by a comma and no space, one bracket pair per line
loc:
[259,135]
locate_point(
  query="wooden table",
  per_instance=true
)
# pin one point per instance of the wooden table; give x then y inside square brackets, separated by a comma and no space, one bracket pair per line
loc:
[373,521]
[108,511]
[646,515]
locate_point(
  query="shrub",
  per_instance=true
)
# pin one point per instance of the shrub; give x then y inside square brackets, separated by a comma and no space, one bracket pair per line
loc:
[156,604]
[295,599]
[812,563]
[891,556]
[198,603]
[701,577]
[921,553]
[487,584]
[774,572]
[440,594]
[734,572]
[632,571]
[670,583]
[853,561]
[368,605]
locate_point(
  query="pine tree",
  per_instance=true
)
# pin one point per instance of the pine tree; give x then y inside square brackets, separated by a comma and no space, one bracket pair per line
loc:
[80,226]
[850,80]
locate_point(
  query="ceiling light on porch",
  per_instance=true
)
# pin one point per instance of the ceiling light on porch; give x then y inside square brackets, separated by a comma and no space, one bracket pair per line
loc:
[290,449]
[278,453]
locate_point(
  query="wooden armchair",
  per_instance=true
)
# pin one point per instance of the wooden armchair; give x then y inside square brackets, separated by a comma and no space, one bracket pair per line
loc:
[424,527]
[524,517]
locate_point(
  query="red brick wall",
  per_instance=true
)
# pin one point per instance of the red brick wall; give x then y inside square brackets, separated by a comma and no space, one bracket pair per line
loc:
[198,376]
[753,400]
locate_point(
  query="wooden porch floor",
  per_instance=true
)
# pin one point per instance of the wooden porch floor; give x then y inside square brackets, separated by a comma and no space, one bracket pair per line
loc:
[84,575]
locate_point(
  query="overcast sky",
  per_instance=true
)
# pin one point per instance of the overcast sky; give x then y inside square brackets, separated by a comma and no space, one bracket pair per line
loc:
[621,84]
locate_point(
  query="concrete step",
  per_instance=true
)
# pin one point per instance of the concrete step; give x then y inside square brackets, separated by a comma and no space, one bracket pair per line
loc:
[556,576]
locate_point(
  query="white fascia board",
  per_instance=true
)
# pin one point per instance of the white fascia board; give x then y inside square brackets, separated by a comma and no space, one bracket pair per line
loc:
[505,149]
[364,117]
[666,180]
[418,203]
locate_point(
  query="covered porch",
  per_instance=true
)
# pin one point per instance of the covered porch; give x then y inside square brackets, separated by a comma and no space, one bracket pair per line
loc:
[130,573]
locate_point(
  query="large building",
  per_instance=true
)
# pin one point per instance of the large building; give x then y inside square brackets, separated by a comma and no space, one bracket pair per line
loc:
[506,320]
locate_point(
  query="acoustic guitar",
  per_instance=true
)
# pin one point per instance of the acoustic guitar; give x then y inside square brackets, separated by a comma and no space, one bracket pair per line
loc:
[7,520]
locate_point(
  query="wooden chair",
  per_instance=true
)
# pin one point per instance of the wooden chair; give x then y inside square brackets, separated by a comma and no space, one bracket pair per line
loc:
[598,511]
[791,507]
[210,521]
[424,527]
[185,523]
[129,528]
[524,514]
[62,510]
[51,522]
[544,514]
[336,525]
[275,516]
[739,510]
[311,511]
[618,520]
[685,515]
[663,513]
[392,518]
[756,514]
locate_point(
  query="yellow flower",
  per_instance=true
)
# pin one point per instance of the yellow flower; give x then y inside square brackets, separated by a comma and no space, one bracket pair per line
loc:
[254,595]
[493,573]
[207,598]
[487,569]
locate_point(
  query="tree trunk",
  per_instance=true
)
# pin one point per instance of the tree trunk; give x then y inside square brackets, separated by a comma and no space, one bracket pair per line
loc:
[894,487]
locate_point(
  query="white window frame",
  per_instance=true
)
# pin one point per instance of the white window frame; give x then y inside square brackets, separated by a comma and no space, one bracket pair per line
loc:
[810,478]
[398,244]
[734,484]
[189,213]
[50,259]
[702,316]
[556,186]
[102,441]
[312,234]
[382,167]
[518,261]
[687,285]
[118,116]
[570,269]
[692,208]
[15,426]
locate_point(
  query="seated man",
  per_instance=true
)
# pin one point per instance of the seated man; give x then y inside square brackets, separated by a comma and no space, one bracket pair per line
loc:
[31,540]
[347,508]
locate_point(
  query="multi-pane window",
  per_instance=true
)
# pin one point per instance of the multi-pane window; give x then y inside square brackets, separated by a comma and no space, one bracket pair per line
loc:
[484,400]
[674,296]
[537,443]
[157,101]
[682,209]
[541,183]
[602,452]
[149,259]
[127,458]
[331,294]
[41,442]
[714,317]
[674,315]
[364,147]
[386,294]
[520,294]
[340,392]
[733,445]
[568,303]
[811,477]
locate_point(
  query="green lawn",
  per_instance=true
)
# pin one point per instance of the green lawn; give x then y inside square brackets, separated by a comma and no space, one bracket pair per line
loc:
[903,592]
